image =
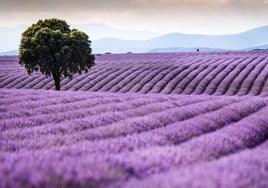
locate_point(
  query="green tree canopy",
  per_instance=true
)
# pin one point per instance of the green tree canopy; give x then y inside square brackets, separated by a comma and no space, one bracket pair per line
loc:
[51,47]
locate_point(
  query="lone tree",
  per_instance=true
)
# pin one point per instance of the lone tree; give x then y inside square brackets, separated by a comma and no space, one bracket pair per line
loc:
[51,47]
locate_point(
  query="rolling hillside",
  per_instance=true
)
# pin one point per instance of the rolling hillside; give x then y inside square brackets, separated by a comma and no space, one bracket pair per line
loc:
[85,139]
[138,120]
[212,73]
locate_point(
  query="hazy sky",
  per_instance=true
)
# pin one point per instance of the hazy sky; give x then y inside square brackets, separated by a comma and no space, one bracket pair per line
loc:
[187,16]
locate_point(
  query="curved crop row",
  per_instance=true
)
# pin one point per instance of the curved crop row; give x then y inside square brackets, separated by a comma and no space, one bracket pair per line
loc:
[213,73]
[243,169]
[84,139]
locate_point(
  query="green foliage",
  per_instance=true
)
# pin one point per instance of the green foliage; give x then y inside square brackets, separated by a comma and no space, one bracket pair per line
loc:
[50,46]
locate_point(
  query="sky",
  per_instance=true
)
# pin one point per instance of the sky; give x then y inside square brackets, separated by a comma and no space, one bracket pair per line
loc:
[161,16]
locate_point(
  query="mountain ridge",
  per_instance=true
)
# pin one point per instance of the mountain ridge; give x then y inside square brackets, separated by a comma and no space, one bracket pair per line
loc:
[247,40]
[238,41]
[10,36]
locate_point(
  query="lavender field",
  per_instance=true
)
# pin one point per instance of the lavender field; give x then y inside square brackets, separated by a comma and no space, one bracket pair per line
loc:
[138,120]
[212,73]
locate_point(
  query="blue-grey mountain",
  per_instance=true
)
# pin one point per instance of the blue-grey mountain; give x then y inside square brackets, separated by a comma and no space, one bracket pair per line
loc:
[121,41]
[246,40]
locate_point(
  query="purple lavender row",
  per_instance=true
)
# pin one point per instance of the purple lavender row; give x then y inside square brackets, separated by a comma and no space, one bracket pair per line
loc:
[105,81]
[27,100]
[159,81]
[172,83]
[38,102]
[243,74]
[213,78]
[242,169]
[34,101]
[131,110]
[261,82]
[66,132]
[222,80]
[174,133]
[247,133]
[54,169]
[114,84]
[12,95]
[79,83]
[179,88]
[114,124]
[69,84]
[143,84]
[62,168]
[23,80]
[50,106]
[254,79]
[160,85]
[60,111]
[12,79]
[178,132]
[195,80]
[132,81]
[99,78]
[50,117]
[225,74]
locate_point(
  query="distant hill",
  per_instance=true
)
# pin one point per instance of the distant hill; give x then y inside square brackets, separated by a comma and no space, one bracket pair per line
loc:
[160,50]
[203,49]
[99,31]
[13,52]
[119,46]
[245,40]
[262,47]
[10,36]
[115,41]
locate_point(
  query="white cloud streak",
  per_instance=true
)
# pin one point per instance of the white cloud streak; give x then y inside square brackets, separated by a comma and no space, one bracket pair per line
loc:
[192,16]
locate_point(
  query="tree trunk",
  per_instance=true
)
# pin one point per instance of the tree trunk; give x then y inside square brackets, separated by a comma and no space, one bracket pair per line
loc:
[56,81]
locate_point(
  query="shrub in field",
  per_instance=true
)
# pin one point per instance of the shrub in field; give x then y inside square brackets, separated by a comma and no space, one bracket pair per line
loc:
[50,46]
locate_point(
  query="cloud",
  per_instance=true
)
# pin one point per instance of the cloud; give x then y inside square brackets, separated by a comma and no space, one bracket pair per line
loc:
[116,5]
[55,5]
[177,15]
